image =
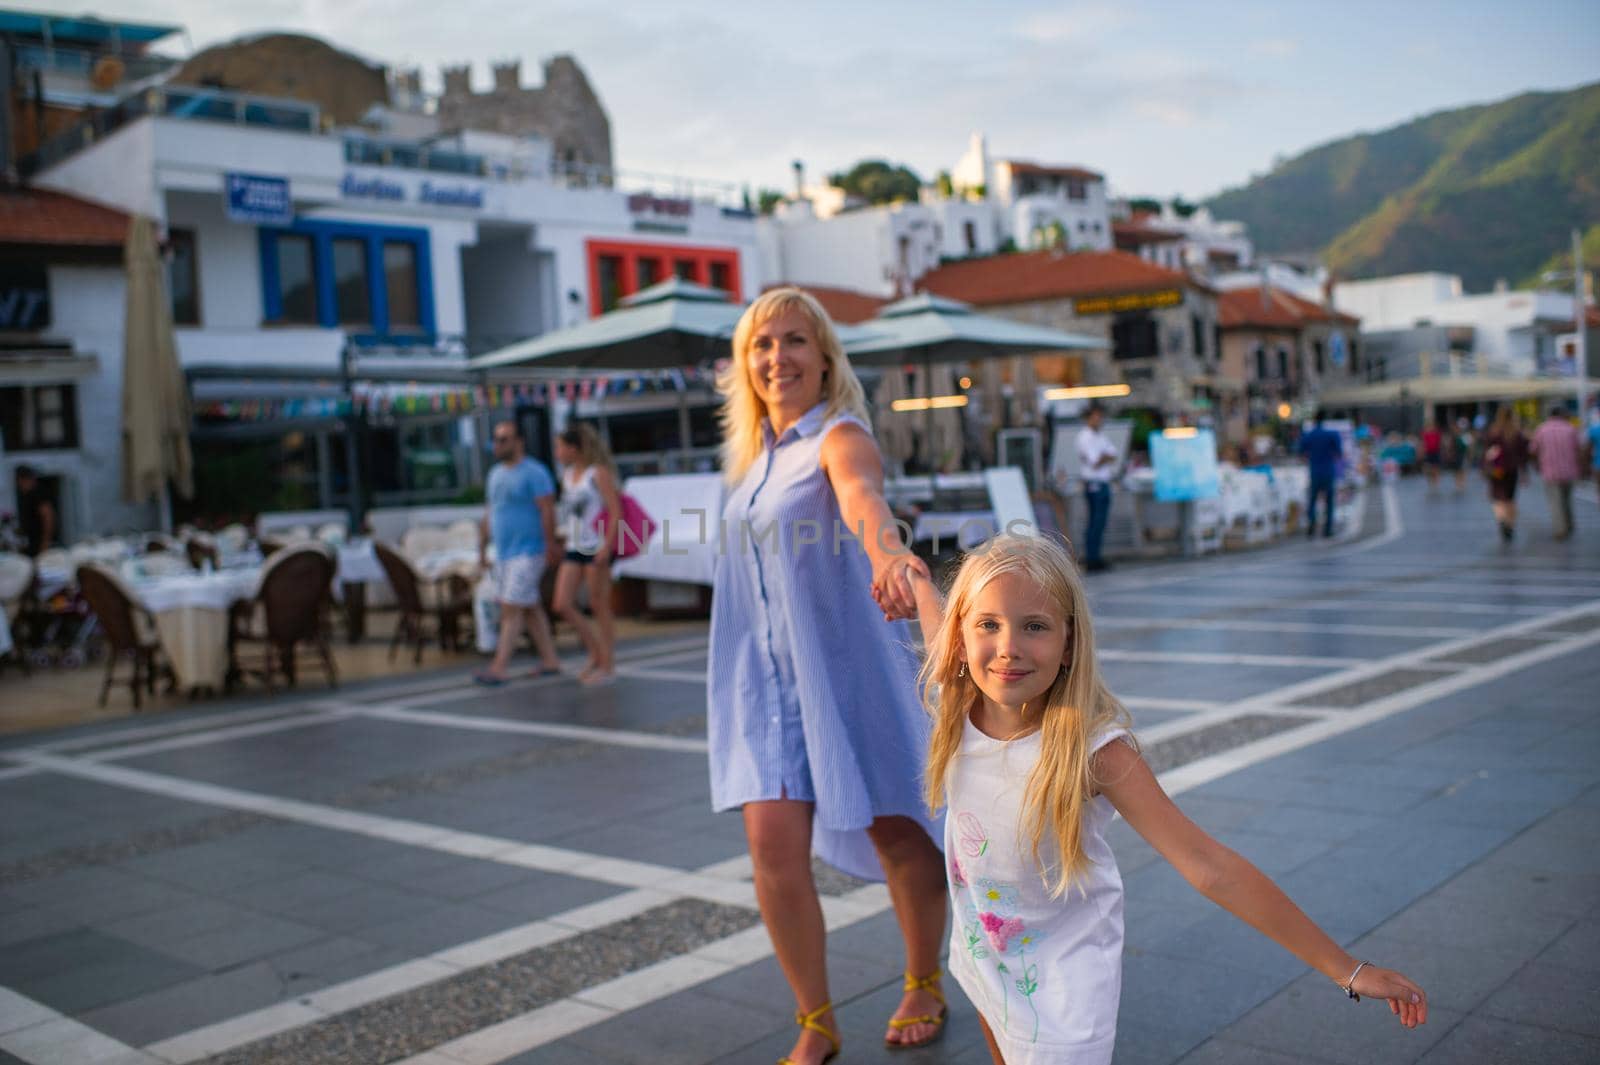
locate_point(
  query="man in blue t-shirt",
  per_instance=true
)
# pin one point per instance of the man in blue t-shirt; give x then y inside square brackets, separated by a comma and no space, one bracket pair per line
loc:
[1592,434]
[521,520]
[1323,450]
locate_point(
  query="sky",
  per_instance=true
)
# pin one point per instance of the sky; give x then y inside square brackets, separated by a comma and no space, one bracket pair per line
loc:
[1164,98]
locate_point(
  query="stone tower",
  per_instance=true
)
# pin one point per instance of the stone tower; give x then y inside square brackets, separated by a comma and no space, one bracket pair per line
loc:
[564,110]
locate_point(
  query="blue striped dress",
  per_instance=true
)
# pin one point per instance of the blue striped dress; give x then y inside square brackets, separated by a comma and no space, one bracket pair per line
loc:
[812,695]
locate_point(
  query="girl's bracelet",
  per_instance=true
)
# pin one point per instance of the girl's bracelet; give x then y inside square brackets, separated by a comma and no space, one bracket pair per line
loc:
[1350,984]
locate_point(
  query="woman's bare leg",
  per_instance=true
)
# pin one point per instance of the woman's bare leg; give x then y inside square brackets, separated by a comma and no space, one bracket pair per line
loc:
[915,871]
[599,575]
[988,1037]
[779,833]
[566,605]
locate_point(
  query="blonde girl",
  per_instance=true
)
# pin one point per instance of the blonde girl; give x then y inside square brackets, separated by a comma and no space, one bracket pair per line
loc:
[588,486]
[1032,755]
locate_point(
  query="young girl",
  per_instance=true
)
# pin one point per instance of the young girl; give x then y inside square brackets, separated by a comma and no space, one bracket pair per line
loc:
[588,486]
[1032,755]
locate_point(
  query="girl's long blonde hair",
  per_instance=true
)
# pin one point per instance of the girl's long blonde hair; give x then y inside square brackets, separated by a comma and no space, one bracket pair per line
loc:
[592,450]
[1077,707]
[742,410]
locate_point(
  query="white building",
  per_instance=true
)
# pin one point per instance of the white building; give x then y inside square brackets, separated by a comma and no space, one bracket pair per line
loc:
[1515,332]
[291,245]
[1037,205]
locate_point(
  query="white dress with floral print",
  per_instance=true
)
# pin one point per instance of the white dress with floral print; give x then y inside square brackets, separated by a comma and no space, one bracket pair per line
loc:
[1046,973]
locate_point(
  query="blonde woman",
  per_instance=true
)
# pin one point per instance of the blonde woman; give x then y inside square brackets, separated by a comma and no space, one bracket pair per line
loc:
[588,487]
[815,730]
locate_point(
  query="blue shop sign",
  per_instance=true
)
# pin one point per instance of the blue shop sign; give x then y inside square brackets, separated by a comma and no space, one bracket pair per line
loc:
[258,199]
[358,188]
[451,195]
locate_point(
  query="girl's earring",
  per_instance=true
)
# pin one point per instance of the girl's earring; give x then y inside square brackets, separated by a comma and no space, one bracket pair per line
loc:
[962,671]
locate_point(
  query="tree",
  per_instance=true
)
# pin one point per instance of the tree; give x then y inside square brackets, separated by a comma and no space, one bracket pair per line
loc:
[767,200]
[1144,205]
[1182,208]
[947,187]
[877,181]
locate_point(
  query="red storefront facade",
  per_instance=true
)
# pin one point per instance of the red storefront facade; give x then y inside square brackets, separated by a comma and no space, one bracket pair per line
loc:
[620,268]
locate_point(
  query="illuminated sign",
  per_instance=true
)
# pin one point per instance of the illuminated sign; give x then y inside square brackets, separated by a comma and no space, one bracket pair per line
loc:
[1135,301]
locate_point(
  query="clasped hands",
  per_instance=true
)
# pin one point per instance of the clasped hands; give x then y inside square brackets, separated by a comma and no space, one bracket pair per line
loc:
[892,588]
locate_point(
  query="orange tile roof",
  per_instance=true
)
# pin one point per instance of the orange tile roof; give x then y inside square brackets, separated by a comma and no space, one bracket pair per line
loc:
[843,304]
[1043,275]
[1278,309]
[1023,166]
[33,216]
[1135,233]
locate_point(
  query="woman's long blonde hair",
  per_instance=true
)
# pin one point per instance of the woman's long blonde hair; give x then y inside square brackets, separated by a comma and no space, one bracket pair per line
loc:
[592,450]
[1077,707]
[743,412]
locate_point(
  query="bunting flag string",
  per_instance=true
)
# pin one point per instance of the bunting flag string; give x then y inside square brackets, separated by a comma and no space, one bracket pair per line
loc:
[416,399]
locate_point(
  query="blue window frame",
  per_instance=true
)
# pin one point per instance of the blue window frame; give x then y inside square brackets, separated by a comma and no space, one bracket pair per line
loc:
[379,268]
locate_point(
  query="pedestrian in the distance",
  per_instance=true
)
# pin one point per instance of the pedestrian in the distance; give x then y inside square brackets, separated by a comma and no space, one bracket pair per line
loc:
[1505,452]
[1097,464]
[1557,447]
[1433,453]
[589,487]
[1459,453]
[1031,758]
[1593,434]
[520,521]
[1323,451]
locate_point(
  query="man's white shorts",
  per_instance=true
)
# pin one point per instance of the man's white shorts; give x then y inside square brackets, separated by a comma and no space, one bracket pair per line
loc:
[516,580]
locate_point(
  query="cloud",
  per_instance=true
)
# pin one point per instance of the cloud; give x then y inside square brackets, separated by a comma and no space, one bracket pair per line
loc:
[1083,22]
[1275,47]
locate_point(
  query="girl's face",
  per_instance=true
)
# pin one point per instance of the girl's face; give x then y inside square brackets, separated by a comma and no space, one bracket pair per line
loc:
[786,365]
[1014,641]
[566,454]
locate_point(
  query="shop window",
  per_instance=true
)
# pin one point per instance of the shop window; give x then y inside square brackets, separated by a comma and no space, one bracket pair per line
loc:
[610,269]
[647,272]
[183,277]
[686,270]
[39,417]
[720,278]
[372,280]
[1135,336]
[350,288]
[400,280]
[297,280]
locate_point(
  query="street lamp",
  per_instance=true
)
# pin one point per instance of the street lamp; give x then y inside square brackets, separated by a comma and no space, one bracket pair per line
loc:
[1580,360]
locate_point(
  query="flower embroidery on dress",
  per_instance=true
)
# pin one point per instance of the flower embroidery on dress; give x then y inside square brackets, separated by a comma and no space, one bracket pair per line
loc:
[957,878]
[974,840]
[1000,930]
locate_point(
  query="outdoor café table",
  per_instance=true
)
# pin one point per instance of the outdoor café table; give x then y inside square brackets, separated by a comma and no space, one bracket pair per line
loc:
[358,564]
[964,528]
[191,615]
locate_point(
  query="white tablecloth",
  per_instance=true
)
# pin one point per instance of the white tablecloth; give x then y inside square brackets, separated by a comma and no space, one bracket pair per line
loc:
[358,563]
[965,528]
[191,614]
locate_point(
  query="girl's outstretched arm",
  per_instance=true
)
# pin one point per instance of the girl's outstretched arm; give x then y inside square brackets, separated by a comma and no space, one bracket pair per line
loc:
[1233,883]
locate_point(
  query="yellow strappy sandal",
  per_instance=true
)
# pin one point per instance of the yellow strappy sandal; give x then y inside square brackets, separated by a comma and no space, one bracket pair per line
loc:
[930,984]
[812,1021]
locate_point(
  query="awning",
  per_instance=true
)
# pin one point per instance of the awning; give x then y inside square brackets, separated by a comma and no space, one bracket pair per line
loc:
[46,368]
[1467,389]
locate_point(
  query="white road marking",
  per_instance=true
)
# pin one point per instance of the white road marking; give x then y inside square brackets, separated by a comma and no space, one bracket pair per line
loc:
[38,1035]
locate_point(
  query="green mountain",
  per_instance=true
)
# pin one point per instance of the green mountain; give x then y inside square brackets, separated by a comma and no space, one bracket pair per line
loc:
[1487,192]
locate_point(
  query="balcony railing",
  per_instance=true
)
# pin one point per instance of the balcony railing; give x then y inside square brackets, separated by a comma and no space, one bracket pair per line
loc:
[176,101]
[413,156]
[80,62]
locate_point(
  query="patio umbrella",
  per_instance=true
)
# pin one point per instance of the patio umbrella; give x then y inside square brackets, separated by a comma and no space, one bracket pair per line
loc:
[933,329]
[667,326]
[155,401]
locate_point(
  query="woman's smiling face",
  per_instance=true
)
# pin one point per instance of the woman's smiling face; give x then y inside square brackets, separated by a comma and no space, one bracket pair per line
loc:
[786,364]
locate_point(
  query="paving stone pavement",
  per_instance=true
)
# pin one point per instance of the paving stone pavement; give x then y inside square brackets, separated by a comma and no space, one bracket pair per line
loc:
[1402,730]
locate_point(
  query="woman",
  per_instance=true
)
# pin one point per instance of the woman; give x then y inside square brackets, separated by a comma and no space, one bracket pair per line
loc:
[1505,452]
[588,487]
[815,728]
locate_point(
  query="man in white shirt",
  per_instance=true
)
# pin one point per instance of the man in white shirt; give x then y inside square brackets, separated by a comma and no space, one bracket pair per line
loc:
[1097,462]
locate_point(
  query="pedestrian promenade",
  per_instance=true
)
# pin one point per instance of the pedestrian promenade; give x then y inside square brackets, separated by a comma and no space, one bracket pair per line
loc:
[1402,729]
